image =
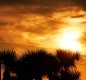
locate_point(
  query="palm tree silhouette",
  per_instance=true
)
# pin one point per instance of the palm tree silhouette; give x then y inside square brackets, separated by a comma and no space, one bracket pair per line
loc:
[67,58]
[68,62]
[6,75]
[20,68]
[70,75]
[39,63]
[36,64]
[8,58]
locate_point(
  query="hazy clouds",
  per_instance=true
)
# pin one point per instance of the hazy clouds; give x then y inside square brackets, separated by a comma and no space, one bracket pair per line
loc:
[34,21]
[42,6]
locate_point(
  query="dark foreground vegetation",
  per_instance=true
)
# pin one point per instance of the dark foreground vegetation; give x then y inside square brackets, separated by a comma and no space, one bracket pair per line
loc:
[33,65]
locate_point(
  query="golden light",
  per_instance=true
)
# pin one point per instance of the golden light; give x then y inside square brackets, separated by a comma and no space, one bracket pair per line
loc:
[25,35]
[70,41]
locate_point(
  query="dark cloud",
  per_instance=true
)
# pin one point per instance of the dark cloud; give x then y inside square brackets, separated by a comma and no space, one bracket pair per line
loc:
[81,3]
[36,6]
[43,2]
[3,23]
[41,6]
[32,2]
[78,16]
[6,23]
[84,22]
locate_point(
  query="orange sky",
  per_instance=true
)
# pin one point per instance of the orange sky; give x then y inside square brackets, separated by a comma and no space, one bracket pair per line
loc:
[34,24]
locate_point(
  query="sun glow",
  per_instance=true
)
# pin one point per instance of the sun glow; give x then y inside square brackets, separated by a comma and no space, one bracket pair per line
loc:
[70,41]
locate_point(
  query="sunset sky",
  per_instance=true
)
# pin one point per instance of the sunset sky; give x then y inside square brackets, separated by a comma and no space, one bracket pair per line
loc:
[49,24]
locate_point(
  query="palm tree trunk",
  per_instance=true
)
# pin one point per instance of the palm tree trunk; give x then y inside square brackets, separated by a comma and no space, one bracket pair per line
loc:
[6,75]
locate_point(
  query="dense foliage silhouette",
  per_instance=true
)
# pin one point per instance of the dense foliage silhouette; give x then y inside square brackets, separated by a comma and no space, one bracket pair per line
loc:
[36,64]
[8,58]
[68,61]
[67,58]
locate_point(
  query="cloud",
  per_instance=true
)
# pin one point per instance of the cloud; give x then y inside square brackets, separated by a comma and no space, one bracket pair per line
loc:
[1,39]
[14,40]
[78,16]
[6,24]
[19,48]
[41,6]
[47,7]
[43,3]
[80,3]
[34,2]
[30,21]
[3,23]
[83,38]
[47,27]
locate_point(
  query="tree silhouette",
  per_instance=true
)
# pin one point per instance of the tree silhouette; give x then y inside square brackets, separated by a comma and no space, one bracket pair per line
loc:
[39,63]
[36,64]
[8,58]
[67,58]
[68,62]
[6,75]
[70,75]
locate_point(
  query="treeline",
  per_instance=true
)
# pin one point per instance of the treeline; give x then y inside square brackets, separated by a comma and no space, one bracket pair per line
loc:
[33,65]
